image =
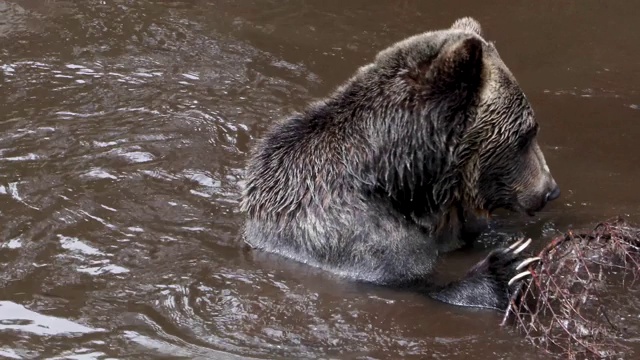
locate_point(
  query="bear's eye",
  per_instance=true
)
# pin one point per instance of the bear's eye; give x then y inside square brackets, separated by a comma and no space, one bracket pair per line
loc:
[533,131]
[527,137]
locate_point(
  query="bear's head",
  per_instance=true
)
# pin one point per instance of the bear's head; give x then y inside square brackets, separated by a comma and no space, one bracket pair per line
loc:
[504,166]
[479,129]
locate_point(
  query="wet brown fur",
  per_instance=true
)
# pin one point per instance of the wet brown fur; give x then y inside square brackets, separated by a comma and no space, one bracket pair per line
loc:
[379,178]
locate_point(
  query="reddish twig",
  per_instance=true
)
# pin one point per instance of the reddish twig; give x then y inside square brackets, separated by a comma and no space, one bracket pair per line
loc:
[558,309]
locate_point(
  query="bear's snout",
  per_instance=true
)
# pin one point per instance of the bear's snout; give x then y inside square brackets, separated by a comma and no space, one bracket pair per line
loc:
[539,202]
[553,194]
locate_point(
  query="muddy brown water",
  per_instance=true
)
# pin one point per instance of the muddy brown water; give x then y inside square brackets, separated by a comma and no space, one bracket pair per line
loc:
[124,127]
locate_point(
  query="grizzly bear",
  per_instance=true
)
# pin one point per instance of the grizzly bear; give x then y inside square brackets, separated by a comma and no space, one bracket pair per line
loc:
[378,179]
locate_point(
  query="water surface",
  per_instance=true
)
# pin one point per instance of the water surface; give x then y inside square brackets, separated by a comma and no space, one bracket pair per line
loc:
[125,126]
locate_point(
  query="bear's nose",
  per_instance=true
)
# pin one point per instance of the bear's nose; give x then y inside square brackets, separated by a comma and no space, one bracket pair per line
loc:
[553,194]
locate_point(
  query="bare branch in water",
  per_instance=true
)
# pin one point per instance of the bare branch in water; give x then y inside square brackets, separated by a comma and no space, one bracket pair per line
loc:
[560,309]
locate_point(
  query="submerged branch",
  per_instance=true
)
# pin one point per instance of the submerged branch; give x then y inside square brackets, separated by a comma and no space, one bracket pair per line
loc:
[561,309]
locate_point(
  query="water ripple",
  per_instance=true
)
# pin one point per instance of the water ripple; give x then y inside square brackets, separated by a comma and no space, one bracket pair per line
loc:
[124,134]
[17,317]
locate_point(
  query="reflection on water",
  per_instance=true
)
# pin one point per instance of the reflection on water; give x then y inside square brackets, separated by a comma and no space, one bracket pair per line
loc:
[124,129]
[17,317]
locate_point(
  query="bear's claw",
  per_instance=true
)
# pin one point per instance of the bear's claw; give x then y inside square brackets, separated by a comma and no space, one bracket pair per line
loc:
[516,248]
[513,246]
[516,244]
[527,262]
[519,276]
[522,247]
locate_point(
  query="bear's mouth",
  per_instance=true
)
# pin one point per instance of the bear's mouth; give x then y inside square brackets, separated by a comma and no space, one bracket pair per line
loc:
[482,214]
[518,208]
[533,211]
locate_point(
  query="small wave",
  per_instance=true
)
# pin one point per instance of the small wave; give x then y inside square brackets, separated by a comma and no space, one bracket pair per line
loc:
[70,114]
[103,269]
[99,174]
[75,245]
[186,350]
[80,354]
[191,76]
[9,354]
[12,244]
[17,317]
[134,157]
[202,179]
[138,156]
[13,191]
[28,157]
[108,143]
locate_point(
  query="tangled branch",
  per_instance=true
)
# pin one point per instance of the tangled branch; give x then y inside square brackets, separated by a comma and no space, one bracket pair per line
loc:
[560,309]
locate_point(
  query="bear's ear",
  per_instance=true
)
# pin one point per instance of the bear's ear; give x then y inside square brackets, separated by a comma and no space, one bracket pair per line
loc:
[457,71]
[468,24]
